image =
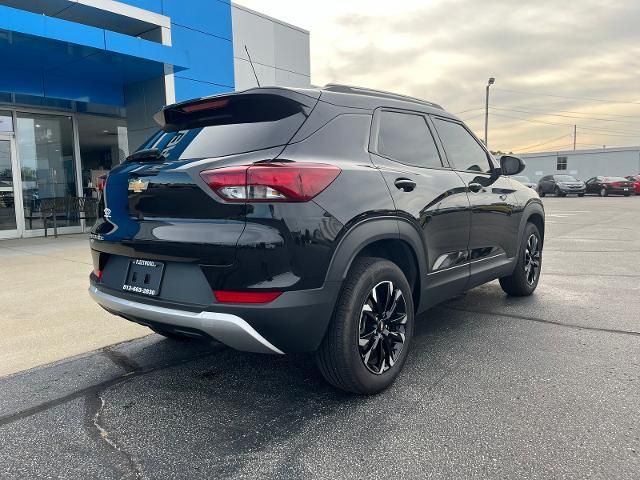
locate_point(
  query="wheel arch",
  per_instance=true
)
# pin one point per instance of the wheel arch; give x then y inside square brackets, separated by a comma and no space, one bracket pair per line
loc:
[533,213]
[391,238]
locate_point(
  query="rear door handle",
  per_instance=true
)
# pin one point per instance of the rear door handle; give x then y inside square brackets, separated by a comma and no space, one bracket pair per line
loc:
[475,187]
[405,184]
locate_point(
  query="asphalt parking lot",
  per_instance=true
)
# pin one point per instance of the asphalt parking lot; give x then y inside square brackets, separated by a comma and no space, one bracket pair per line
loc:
[542,387]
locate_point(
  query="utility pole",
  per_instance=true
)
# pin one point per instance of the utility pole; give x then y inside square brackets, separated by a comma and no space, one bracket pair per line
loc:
[486,111]
[575,129]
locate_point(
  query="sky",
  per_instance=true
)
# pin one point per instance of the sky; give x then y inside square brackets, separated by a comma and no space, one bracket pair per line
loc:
[444,51]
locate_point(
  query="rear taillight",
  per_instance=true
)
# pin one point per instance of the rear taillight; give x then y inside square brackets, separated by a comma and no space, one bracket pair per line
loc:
[271,182]
[97,273]
[101,182]
[224,296]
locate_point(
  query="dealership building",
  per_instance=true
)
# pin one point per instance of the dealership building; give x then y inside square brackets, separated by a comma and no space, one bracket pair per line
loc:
[81,80]
[584,164]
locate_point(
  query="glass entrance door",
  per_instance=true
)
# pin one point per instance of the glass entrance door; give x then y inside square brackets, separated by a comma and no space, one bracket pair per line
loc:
[8,190]
[48,170]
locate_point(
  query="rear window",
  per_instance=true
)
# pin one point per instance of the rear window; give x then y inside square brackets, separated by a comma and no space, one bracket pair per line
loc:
[615,179]
[228,125]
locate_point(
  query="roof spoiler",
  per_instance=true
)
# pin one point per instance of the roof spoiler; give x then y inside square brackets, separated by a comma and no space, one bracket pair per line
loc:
[235,107]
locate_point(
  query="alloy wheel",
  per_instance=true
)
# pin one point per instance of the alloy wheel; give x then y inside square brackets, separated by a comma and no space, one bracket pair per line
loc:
[382,327]
[532,259]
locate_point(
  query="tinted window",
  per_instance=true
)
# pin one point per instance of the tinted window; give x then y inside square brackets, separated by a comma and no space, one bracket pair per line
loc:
[463,151]
[565,178]
[228,126]
[615,179]
[407,139]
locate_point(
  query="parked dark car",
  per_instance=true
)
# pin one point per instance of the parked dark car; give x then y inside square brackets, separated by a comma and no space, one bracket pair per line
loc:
[525,181]
[605,186]
[310,220]
[561,186]
[636,183]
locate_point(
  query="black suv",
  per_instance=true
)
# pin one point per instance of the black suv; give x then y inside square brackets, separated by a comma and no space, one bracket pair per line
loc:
[310,220]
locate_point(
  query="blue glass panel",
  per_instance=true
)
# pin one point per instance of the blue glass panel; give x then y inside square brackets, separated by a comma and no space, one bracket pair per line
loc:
[152,5]
[187,89]
[209,16]
[211,57]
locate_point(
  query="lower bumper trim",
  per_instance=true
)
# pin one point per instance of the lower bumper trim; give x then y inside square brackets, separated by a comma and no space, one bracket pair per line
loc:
[224,327]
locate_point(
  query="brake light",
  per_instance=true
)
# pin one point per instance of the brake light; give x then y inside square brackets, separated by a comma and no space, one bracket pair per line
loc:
[245,297]
[206,105]
[271,182]
[101,182]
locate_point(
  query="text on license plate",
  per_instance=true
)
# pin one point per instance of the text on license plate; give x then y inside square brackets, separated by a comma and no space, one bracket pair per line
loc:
[144,277]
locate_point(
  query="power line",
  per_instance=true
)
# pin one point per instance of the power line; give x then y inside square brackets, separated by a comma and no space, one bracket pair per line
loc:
[543,143]
[472,117]
[468,110]
[609,130]
[530,120]
[565,116]
[586,113]
[565,96]
[563,124]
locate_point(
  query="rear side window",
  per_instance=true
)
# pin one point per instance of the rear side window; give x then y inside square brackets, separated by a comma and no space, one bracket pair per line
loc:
[463,151]
[229,126]
[406,138]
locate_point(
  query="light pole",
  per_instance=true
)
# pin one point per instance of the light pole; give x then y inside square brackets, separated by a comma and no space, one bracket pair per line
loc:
[486,111]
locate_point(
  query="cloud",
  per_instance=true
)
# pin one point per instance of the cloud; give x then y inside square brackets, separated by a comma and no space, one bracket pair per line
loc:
[445,50]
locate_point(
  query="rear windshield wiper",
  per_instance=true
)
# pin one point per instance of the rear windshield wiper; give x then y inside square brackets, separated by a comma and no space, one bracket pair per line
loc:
[146,155]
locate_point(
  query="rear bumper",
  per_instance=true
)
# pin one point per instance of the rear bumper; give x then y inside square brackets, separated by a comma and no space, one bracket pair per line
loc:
[295,322]
[229,329]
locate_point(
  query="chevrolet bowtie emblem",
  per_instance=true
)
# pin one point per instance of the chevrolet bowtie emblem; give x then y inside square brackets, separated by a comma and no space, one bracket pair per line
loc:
[138,185]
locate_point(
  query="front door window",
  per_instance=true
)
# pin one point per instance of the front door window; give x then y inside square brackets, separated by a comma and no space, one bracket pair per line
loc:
[47,165]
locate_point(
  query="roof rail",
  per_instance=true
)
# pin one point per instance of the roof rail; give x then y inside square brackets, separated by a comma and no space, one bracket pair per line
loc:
[336,87]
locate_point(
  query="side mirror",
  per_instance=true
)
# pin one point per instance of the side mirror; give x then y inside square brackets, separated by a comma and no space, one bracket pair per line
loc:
[510,165]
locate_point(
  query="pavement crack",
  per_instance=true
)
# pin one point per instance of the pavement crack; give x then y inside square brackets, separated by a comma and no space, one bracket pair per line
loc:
[542,320]
[94,389]
[97,403]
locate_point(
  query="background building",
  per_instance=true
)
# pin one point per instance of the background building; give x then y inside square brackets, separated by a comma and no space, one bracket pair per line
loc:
[583,164]
[81,80]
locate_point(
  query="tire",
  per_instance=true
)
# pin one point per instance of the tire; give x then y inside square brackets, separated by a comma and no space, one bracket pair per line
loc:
[173,335]
[627,194]
[581,194]
[342,357]
[541,193]
[520,283]
[603,192]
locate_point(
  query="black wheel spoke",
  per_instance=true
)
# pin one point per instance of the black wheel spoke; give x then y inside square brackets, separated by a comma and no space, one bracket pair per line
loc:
[532,259]
[382,327]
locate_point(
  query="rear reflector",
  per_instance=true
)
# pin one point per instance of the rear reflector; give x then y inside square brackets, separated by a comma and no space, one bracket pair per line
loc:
[98,273]
[223,296]
[271,182]
[101,182]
